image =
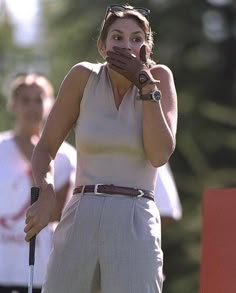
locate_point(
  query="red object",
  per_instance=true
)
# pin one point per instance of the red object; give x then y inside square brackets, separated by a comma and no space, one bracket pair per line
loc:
[218,254]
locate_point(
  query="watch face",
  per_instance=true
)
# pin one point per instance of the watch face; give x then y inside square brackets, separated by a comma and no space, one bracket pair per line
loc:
[157,95]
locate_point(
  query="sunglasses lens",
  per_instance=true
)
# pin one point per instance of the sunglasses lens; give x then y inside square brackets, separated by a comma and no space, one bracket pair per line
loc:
[116,8]
[144,12]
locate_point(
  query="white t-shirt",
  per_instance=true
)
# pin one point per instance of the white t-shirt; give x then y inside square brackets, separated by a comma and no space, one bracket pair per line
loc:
[15,184]
[166,194]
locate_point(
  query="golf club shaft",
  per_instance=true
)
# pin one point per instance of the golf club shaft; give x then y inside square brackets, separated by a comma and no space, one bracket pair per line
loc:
[34,198]
[31,278]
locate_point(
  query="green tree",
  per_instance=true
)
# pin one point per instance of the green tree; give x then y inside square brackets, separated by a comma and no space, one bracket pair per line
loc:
[6,45]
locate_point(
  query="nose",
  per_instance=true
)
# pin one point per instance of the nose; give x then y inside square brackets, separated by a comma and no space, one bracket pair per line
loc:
[126,45]
[33,105]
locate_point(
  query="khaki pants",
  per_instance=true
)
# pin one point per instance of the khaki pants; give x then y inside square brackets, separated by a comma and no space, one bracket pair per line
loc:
[107,244]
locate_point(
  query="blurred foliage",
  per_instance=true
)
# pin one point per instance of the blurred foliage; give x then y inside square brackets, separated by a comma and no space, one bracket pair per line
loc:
[6,45]
[197,40]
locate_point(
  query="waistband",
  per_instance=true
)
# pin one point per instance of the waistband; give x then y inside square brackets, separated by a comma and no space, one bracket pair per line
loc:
[113,189]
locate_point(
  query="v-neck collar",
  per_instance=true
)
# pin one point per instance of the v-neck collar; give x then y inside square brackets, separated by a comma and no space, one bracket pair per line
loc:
[111,95]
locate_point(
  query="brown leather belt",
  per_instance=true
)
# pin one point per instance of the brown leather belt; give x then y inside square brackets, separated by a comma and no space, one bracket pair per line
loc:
[112,189]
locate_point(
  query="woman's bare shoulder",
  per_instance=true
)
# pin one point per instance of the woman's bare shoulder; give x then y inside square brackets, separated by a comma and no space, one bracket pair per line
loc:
[76,78]
[80,71]
[161,70]
[85,67]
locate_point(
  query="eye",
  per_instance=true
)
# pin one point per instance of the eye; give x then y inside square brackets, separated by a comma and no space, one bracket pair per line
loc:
[117,37]
[39,101]
[137,39]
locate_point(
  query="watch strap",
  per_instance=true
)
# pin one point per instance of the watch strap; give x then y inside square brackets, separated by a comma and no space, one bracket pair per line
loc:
[150,96]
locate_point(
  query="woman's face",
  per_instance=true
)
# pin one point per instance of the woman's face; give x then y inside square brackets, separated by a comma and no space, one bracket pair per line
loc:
[124,33]
[31,106]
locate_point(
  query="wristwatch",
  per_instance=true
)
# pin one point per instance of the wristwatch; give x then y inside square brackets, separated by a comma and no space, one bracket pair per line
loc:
[153,96]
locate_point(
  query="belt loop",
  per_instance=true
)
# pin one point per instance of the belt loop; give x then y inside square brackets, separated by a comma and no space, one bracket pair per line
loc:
[82,191]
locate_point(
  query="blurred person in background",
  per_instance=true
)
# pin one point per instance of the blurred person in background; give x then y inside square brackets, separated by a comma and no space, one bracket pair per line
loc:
[167,200]
[125,121]
[32,97]
[167,197]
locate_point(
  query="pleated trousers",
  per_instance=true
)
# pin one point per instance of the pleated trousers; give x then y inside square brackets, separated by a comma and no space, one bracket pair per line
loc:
[106,244]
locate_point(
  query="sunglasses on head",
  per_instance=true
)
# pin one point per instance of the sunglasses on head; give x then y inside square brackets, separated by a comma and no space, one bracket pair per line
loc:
[119,8]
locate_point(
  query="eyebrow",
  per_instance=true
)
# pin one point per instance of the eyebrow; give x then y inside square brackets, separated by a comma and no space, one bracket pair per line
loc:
[121,32]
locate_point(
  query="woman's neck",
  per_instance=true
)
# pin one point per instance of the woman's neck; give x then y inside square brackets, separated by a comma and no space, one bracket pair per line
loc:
[26,134]
[120,84]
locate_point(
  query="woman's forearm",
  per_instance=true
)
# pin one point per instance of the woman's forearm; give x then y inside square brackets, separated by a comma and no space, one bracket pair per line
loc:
[160,118]
[159,141]
[41,166]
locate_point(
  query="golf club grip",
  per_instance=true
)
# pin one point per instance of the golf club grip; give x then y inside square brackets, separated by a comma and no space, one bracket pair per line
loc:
[34,198]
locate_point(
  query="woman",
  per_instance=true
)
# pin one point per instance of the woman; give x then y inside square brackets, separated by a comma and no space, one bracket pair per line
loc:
[30,102]
[109,238]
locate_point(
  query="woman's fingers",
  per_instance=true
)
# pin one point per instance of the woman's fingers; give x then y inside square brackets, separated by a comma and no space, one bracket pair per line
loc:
[29,215]
[39,214]
[31,233]
[33,223]
[28,226]
[33,227]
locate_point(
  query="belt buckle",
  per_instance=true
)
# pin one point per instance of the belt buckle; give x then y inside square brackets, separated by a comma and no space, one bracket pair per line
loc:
[96,188]
[141,193]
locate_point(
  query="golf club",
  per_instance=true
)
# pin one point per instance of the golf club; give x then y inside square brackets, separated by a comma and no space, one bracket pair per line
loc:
[34,198]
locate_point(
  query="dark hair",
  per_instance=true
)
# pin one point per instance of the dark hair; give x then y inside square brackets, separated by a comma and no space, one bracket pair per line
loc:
[28,79]
[130,13]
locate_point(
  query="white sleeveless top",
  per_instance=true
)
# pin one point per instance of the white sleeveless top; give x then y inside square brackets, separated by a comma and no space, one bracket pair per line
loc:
[109,141]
